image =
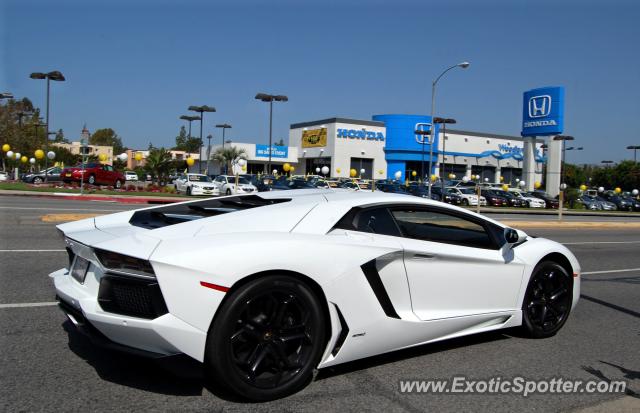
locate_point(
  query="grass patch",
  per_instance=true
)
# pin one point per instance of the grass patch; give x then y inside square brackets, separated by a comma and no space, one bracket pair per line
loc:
[21,186]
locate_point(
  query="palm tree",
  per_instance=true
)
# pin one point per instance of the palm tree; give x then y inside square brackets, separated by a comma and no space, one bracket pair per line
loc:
[158,163]
[228,155]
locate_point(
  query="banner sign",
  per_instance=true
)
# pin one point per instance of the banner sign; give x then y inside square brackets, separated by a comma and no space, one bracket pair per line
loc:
[314,138]
[262,151]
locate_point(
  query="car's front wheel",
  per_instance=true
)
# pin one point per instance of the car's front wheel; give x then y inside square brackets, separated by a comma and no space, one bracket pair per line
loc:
[266,339]
[465,202]
[188,192]
[547,301]
[37,180]
[118,184]
[92,179]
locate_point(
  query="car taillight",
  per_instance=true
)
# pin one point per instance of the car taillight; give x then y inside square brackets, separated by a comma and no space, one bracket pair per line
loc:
[124,264]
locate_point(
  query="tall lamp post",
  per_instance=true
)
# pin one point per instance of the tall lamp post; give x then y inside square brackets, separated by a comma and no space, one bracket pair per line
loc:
[563,185]
[208,152]
[634,148]
[224,127]
[201,110]
[443,122]
[56,76]
[190,119]
[6,95]
[264,97]
[462,65]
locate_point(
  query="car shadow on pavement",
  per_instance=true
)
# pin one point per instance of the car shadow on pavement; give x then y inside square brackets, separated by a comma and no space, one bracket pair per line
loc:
[630,375]
[417,351]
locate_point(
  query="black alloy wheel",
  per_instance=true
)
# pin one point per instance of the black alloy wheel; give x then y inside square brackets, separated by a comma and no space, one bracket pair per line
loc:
[267,339]
[547,301]
[188,192]
[465,202]
[118,184]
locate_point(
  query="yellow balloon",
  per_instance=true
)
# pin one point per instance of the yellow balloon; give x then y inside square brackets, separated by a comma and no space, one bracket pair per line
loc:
[537,185]
[244,168]
[414,173]
[505,187]
[451,176]
[353,173]
[24,159]
[338,170]
[617,190]
[190,161]
[39,153]
[286,167]
[102,157]
[6,147]
[138,157]
[433,178]
[583,187]
[292,168]
[501,178]
[380,171]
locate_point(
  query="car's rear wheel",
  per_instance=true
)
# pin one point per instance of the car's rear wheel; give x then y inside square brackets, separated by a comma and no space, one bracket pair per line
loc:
[118,184]
[188,192]
[267,338]
[547,301]
[228,191]
[37,180]
[92,179]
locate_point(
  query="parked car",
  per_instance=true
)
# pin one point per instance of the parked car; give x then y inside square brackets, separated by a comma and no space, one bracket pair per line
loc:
[226,185]
[449,196]
[549,201]
[531,201]
[634,202]
[469,196]
[195,184]
[493,198]
[422,191]
[52,175]
[513,201]
[394,188]
[590,202]
[4,176]
[94,174]
[606,205]
[131,176]
[621,203]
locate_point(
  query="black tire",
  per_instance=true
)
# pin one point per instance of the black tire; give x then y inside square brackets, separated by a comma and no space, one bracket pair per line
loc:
[547,301]
[37,180]
[188,192]
[228,191]
[118,184]
[266,339]
[92,180]
[465,202]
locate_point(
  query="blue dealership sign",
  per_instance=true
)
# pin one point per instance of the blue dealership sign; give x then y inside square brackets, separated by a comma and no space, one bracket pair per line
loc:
[262,151]
[543,111]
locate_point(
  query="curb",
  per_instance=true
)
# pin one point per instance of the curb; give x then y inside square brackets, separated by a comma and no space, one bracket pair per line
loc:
[130,199]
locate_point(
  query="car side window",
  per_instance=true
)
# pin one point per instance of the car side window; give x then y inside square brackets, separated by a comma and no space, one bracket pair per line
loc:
[436,226]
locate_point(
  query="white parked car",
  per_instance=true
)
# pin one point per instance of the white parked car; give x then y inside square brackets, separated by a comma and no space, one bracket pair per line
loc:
[4,176]
[469,195]
[226,185]
[346,275]
[532,201]
[195,184]
[130,176]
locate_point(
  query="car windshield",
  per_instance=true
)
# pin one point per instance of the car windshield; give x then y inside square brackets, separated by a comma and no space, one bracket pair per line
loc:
[199,178]
[242,181]
[467,191]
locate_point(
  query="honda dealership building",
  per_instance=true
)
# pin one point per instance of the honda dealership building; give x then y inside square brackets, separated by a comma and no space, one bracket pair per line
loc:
[388,143]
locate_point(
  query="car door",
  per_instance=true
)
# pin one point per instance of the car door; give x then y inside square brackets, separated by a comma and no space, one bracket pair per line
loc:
[179,183]
[455,264]
[54,174]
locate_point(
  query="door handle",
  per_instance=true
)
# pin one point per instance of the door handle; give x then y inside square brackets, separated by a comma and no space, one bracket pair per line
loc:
[423,256]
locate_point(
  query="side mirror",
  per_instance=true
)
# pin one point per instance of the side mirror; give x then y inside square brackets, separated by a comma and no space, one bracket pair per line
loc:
[514,236]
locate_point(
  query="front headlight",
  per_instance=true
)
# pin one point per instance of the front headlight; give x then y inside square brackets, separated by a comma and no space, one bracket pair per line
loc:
[124,264]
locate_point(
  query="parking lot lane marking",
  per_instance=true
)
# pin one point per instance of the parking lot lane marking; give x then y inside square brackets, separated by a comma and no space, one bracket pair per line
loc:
[609,271]
[26,305]
[33,250]
[600,242]
[66,217]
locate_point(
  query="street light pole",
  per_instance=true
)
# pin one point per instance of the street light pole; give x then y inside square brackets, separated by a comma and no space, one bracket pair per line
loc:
[190,119]
[224,127]
[201,110]
[635,149]
[462,65]
[264,97]
[58,77]
[443,122]
[563,185]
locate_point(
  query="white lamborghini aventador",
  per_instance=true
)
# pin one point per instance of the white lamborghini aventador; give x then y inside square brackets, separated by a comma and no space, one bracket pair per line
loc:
[265,288]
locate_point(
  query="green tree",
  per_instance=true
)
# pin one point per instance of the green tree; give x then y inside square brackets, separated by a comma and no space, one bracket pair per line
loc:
[107,137]
[229,154]
[280,142]
[158,164]
[186,143]
[60,137]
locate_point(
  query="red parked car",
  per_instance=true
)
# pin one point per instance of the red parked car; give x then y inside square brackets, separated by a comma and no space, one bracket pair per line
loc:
[94,174]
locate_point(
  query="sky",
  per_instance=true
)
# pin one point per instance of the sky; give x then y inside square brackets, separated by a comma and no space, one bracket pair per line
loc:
[135,66]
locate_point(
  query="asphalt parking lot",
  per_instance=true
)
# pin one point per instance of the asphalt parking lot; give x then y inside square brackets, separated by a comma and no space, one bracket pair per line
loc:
[46,365]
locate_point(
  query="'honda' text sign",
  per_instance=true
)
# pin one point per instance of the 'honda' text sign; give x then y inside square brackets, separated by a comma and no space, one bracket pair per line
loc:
[543,111]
